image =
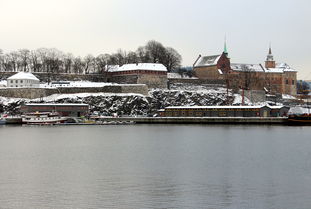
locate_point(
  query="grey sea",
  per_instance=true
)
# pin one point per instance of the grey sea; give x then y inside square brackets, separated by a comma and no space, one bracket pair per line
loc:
[155,166]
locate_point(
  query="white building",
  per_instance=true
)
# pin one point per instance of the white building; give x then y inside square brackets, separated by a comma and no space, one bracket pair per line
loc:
[23,79]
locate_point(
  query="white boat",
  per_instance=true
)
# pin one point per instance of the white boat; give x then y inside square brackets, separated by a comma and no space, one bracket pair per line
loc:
[2,121]
[42,118]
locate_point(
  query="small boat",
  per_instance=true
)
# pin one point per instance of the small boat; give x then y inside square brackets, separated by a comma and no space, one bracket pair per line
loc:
[302,118]
[42,118]
[2,121]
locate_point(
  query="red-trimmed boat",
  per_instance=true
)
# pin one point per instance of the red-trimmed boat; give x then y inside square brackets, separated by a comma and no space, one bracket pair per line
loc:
[42,118]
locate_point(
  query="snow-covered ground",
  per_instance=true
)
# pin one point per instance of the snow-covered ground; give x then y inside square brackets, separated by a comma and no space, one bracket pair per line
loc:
[56,97]
[71,84]
[177,75]
[3,83]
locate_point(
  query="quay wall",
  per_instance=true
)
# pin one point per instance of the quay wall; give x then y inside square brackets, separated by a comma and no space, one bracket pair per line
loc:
[199,120]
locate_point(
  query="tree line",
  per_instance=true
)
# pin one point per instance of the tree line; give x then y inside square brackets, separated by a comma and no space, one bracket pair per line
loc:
[51,60]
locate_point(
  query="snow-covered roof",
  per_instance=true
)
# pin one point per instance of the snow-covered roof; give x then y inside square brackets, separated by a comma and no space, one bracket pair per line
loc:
[209,107]
[279,68]
[56,104]
[207,61]
[247,67]
[23,75]
[139,66]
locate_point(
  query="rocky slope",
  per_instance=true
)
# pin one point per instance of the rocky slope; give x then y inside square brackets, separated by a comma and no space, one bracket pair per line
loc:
[130,104]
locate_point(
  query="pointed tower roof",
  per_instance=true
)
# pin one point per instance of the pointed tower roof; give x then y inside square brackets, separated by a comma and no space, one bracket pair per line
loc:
[225,48]
[270,56]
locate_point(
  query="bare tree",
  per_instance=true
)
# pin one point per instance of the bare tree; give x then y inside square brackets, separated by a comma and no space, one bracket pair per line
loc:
[172,59]
[24,57]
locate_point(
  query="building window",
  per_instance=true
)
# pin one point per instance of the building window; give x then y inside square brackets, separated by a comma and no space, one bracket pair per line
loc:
[293,82]
[11,81]
[21,81]
[16,81]
[286,81]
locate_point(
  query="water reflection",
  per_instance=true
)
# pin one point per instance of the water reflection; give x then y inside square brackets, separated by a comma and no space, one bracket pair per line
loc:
[155,167]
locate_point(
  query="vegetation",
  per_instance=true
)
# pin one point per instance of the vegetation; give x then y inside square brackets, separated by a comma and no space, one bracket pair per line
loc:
[51,60]
[303,87]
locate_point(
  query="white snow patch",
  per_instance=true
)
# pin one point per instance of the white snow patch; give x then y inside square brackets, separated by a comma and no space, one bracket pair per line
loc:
[299,110]
[55,97]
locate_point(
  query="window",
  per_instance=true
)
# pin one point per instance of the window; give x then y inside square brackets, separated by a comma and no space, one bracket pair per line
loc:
[21,81]
[293,82]
[16,81]
[286,81]
[11,81]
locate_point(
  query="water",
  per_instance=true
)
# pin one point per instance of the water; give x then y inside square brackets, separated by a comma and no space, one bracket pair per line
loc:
[155,166]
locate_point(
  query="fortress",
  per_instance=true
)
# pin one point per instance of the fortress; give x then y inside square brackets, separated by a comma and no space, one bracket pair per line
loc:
[272,77]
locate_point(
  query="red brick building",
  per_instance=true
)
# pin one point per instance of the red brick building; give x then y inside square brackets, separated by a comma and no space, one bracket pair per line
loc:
[272,77]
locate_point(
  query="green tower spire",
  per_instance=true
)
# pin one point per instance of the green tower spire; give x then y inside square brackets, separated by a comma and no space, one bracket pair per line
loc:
[225,48]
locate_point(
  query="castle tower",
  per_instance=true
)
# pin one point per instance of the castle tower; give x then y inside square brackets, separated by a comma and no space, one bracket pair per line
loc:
[270,63]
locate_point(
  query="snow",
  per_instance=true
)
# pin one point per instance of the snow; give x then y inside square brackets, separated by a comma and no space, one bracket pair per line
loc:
[3,83]
[83,84]
[23,75]
[177,75]
[214,107]
[139,66]
[55,97]
[238,100]
[299,110]
[207,60]
[286,96]
[279,68]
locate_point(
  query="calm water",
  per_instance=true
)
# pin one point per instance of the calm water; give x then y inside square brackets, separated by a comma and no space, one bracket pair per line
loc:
[155,166]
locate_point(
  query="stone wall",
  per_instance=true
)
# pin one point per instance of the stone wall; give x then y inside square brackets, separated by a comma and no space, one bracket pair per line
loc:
[45,77]
[197,81]
[32,93]
[152,81]
[254,95]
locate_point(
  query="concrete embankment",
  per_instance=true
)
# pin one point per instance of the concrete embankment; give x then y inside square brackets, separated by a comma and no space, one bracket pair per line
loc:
[198,120]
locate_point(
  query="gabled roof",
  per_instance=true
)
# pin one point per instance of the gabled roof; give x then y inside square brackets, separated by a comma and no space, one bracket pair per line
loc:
[207,61]
[247,67]
[23,75]
[139,66]
[279,68]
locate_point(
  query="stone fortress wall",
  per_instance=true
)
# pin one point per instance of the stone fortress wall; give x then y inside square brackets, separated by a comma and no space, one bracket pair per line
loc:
[32,93]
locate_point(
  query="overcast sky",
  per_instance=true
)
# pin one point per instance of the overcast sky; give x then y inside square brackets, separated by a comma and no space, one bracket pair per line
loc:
[192,27]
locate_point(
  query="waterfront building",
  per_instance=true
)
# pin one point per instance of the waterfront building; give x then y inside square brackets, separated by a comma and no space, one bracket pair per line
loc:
[71,110]
[23,80]
[224,111]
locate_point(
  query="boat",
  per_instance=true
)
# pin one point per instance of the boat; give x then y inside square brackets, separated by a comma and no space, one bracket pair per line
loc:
[2,121]
[42,118]
[302,118]
[301,115]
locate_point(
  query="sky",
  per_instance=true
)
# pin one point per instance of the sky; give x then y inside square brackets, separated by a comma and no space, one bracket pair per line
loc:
[192,27]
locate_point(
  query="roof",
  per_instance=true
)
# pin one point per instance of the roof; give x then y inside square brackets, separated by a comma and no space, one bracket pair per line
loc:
[23,75]
[279,68]
[212,107]
[58,104]
[224,107]
[207,61]
[139,66]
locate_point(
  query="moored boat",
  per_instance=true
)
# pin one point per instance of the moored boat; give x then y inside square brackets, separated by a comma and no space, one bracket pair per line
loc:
[2,121]
[303,118]
[42,118]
